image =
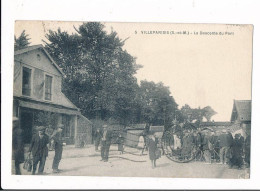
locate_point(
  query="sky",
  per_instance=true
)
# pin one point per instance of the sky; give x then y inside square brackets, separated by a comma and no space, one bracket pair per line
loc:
[202,68]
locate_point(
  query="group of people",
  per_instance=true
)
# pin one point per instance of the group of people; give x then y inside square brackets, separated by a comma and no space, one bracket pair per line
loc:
[209,146]
[38,149]
[103,137]
[100,139]
[222,147]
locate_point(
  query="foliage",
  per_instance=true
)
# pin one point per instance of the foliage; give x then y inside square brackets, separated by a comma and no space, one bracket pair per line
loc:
[99,72]
[22,41]
[208,112]
[46,119]
[158,107]
[197,114]
[100,78]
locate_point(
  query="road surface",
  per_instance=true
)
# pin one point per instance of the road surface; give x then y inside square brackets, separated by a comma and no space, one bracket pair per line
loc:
[86,162]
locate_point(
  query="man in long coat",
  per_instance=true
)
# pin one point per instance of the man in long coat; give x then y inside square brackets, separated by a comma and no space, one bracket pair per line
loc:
[225,143]
[237,151]
[57,139]
[18,146]
[105,143]
[39,150]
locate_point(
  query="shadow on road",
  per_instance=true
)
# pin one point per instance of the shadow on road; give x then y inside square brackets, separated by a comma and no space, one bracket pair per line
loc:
[163,165]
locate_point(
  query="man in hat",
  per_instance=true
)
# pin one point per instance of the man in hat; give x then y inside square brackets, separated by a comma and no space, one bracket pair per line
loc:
[237,151]
[206,146]
[18,146]
[105,143]
[225,142]
[57,139]
[39,150]
[98,136]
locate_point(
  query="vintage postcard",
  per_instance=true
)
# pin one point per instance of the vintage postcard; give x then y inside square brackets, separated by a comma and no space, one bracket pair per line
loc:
[132,100]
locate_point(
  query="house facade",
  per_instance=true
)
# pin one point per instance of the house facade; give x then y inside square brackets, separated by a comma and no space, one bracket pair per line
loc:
[38,98]
[241,115]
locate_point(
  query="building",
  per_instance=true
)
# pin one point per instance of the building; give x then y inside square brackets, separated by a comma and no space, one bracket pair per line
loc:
[38,98]
[241,115]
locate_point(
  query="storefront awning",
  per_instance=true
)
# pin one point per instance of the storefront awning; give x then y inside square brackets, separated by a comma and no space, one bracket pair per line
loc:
[47,107]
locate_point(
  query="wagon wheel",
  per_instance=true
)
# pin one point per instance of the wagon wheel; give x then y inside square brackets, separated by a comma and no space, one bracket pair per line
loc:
[180,155]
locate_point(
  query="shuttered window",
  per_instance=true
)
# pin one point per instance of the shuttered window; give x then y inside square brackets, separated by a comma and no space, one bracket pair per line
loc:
[27,74]
[48,87]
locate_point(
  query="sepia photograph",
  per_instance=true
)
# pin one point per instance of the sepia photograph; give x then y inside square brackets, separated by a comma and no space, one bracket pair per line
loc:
[118,99]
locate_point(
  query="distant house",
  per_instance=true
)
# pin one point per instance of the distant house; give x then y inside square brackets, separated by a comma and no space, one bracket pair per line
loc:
[241,114]
[37,94]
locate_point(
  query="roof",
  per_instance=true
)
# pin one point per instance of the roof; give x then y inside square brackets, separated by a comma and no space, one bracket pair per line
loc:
[136,127]
[241,110]
[39,46]
[207,124]
[44,106]
[86,119]
[156,129]
[64,101]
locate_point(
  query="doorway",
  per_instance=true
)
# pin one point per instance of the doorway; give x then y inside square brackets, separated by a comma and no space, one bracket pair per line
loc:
[26,122]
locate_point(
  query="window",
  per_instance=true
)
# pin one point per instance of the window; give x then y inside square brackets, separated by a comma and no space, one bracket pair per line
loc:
[48,87]
[66,123]
[27,73]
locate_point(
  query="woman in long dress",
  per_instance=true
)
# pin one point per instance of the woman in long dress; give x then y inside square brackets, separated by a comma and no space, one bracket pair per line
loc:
[141,144]
[152,147]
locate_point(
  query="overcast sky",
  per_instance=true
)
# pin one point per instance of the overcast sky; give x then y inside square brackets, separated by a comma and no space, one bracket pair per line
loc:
[200,70]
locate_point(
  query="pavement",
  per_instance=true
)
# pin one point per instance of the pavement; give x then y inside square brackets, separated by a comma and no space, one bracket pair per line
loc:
[86,162]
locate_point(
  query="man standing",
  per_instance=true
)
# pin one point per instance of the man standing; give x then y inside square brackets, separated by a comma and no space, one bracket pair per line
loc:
[237,151]
[206,147]
[57,139]
[225,142]
[105,143]
[247,148]
[120,143]
[18,146]
[39,150]
[98,137]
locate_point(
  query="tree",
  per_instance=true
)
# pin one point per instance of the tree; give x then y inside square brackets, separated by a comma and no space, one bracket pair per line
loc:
[187,113]
[157,105]
[99,72]
[22,41]
[208,112]
[197,114]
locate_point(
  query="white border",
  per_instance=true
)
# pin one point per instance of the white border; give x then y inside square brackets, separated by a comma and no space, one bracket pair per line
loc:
[170,11]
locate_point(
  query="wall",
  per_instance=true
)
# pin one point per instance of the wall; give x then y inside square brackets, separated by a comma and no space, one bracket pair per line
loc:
[39,69]
[246,128]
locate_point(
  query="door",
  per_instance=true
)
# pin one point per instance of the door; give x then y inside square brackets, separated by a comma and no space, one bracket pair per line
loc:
[26,121]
